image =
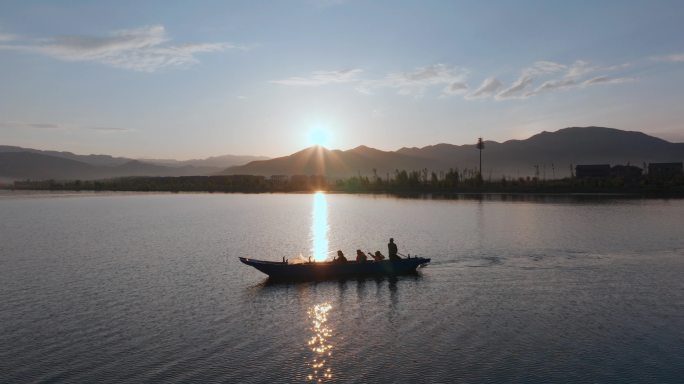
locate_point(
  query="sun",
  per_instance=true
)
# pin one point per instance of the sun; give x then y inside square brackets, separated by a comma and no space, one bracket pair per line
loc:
[319,136]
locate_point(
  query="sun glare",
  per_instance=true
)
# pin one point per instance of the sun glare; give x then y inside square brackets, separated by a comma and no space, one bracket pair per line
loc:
[319,227]
[320,344]
[319,136]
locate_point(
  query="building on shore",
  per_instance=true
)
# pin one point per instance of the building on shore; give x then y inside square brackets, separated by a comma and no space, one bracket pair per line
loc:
[605,171]
[592,171]
[665,170]
[626,172]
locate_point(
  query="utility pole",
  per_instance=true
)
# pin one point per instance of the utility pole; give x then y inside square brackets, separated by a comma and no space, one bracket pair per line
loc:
[480,146]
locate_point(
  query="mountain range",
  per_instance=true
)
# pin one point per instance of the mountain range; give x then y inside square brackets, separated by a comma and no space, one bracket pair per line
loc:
[552,153]
[219,162]
[17,163]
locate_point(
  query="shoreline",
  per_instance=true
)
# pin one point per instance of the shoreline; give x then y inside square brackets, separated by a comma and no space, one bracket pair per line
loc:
[426,195]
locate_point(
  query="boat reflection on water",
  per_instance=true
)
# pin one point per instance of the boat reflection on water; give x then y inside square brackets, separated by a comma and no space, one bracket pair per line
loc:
[320,343]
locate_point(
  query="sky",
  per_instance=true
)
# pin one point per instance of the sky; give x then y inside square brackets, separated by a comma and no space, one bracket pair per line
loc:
[180,79]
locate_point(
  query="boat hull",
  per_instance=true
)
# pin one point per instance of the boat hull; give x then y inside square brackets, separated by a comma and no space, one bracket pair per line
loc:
[331,270]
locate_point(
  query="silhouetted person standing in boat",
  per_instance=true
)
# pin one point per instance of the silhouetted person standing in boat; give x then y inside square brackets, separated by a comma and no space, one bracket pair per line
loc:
[392,250]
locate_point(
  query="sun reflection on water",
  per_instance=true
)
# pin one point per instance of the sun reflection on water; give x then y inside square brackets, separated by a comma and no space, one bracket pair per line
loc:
[320,343]
[319,227]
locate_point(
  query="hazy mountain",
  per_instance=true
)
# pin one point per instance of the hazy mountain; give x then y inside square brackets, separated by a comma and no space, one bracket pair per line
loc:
[553,152]
[139,168]
[37,166]
[105,160]
[219,162]
[27,163]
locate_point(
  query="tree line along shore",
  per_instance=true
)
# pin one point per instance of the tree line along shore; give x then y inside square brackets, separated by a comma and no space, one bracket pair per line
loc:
[402,181]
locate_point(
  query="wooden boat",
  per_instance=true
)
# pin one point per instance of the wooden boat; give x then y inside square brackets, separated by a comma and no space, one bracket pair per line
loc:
[327,270]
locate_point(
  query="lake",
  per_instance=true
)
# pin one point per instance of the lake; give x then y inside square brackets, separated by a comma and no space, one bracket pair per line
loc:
[148,288]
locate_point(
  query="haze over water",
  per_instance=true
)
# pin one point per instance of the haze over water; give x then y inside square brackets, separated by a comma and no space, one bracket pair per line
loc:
[148,287]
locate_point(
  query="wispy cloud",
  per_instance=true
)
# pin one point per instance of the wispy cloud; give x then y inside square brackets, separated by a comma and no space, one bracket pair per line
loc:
[7,37]
[675,58]
[489,87]
[414,82]
[516,88]
[540,77]
[107,129]
[540,67]
[456,88]
[145,49]
[417,81]
[319,78]
[21,125]
[556,77]
[58,126]
[553,85]
[607,80]
[527,77]
[579,68]
[577,75]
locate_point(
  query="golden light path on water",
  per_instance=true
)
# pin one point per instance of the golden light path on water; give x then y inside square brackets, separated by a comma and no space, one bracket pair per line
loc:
[320,344]
[319,227]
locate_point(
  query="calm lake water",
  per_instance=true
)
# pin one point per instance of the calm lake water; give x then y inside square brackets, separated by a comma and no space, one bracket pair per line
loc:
[148,288]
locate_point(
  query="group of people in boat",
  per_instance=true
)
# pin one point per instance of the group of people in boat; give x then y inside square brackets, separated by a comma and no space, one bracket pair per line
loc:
[377,256]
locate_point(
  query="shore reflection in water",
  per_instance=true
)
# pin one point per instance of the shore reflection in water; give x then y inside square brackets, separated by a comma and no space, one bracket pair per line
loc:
[320,343]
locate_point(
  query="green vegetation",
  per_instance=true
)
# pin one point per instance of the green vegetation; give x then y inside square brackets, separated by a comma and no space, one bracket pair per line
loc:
[469,181]
[401,182]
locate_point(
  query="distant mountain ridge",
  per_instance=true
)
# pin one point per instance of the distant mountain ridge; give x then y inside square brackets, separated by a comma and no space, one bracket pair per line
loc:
[554,153]
[213,161]
[333,163]
[36,166]
[17,163]
[107,160]
[104,160]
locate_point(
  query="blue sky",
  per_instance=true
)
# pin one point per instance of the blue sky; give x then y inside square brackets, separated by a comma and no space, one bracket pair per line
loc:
[193,79]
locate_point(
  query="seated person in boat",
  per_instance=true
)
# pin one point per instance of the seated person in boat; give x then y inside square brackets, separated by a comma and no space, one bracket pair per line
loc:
[377,256]
[360,256]
[340,257]
[392,250]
